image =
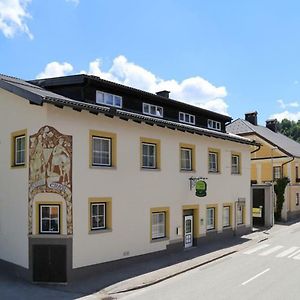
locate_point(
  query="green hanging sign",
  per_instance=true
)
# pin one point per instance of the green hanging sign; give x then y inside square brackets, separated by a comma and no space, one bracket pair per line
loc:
[201,187]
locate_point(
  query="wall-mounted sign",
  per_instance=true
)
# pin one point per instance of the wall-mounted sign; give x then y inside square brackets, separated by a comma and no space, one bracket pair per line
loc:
[201,188]
[256,212]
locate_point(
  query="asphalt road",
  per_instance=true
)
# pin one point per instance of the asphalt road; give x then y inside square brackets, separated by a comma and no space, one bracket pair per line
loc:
[268,270]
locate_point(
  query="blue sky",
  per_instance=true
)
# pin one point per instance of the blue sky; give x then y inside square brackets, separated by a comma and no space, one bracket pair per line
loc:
[229,56]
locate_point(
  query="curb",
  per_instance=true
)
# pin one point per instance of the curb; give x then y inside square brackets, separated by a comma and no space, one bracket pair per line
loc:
[172,275]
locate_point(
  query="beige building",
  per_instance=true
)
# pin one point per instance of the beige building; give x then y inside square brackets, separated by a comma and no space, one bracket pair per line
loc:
[92,172]
[278,156]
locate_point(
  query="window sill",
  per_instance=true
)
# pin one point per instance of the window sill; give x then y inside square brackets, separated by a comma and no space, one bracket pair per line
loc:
[99,231]
[236,174]
[227,227]
[211,230]
[159,240]
[150,169]
[103,167]
[18,167]
[49,236]
[187,171]
[214,172]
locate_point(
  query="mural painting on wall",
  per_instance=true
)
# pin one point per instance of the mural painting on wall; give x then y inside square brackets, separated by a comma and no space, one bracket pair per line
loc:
[50,169]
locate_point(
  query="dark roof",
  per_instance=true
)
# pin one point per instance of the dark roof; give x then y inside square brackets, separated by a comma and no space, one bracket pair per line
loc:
[81,78]
[283,142]
[37,95]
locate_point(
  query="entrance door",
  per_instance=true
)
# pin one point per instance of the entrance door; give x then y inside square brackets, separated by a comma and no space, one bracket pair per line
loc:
[49,263]
[258,212]
[188,231]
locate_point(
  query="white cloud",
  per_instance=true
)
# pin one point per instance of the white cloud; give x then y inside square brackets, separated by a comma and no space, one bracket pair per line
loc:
[194,90]
[56,69]
[284,105]
[286,115]
[13,16]
[75,2]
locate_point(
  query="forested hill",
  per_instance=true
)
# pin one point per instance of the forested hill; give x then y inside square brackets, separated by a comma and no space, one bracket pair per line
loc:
[290,129]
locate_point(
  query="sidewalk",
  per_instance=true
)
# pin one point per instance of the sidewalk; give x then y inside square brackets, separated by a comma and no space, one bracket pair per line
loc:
[177,263]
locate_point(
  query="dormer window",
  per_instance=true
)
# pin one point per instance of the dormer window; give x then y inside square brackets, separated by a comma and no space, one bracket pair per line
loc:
[153,110]
[186,118]
[108,99]
[212,124]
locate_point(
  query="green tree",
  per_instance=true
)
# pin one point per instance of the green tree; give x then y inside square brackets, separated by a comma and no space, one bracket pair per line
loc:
[279,189]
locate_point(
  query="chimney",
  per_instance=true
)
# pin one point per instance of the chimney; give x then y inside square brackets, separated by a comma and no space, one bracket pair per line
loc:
[272,124]
[251,117]
[164,94]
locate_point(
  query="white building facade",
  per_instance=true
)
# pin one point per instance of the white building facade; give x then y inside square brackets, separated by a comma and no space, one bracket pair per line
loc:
[82,185]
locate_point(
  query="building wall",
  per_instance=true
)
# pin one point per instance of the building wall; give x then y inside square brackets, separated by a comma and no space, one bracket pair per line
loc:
[262,171]
[134,191]
[15,114]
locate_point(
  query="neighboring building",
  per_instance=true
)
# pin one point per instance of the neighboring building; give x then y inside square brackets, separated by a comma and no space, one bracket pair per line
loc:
[278,156]
[92,172]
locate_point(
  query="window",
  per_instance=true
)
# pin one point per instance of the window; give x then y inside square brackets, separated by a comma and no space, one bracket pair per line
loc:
[210,224]
[100,214]
[226,216]
[186,118]
[102,149]
[18,149]
[186,159]
[49,218]
[159,223]
[150,153]
[297,199]
[97,216]
[297,174]
[213,161]
[235,164]
[276,173]
[240,214]
[211,124]
[152,110]
[108,99]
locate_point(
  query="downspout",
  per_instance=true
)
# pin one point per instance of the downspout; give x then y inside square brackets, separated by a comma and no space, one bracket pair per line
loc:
[259,146]
[293,157]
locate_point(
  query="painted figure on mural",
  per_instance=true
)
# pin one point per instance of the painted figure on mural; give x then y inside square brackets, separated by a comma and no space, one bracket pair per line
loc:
[61,158]
[37,160]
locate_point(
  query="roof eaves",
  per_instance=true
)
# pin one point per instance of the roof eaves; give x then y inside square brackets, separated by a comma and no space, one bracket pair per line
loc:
[32,97]
[146,119]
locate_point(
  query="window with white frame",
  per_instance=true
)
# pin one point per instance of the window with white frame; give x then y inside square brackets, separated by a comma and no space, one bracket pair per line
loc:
[186,159]
[186,118]
[297,199]
[101,155]
[213,161]
[239,214]
[212,124]
[226,216]
[210,218]
[153,110]
[235,164]
[49,218]
[19,151]
[108,99]
[276,172]
[98,216]
[148,155]
[158,225]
